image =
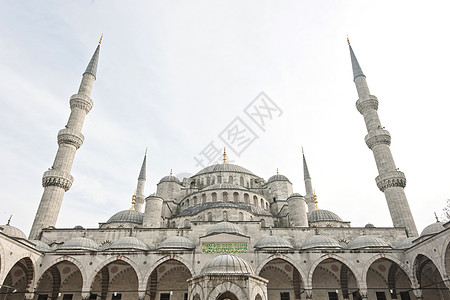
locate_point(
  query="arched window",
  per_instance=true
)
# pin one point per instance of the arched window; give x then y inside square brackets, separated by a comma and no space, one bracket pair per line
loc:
[262,203]
[187,223]
[236,197]
[187,202]
[198,181]
[192,184]
[246,199]
[213,180]
[195,200]
[203,181]
[210,216]
[225,215]
[251,183]
[255,200]
[241,216]
[219,179]
[267,206]
[203,198]
[214,197]
[208,181]
[225,197]
[263,223]
[230,179]
[241,181]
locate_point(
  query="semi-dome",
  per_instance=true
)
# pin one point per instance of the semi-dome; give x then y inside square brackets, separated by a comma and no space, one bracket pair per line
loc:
[224,186]
[227,264]
[224,227]
[128,242]
[79,243]
[367,241]
[277,177]
[433,229]
[224,168]
[12,231]
[170,178]
[295,195]
[369,225]
[127,216]
[320,242]
[41,246]
[176,242]
[273,241]
[322,215]
[406,243]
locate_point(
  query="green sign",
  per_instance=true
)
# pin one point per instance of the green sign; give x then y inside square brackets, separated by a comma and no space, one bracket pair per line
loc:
[224,248]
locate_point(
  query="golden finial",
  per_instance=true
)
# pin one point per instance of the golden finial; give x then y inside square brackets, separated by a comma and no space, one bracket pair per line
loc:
[146,150]
[170,172]
[277,172]
[101,38]
[224,155]
[133,200]
[315,200]
[348,41]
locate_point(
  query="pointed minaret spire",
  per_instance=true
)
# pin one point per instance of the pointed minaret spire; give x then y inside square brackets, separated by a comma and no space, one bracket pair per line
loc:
[139,194]
[57,180]
[390,180]
[309,197]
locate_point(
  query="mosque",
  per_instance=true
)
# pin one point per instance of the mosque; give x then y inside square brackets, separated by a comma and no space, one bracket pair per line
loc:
[224,233]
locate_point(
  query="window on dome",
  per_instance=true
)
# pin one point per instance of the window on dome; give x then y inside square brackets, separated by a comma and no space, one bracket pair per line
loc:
[241,216]
[219,179]
[225,196]
[214,197]
[210,216]
[242,181]
[255,200]
[208,181]
[236,197]
[262,203]
[263,223]
[225,216]
[230,179]
[246,199]
[194,202]
[203,198]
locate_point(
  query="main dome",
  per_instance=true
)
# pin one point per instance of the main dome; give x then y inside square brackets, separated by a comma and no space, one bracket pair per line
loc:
[227,264]
[127,216]
[224,168]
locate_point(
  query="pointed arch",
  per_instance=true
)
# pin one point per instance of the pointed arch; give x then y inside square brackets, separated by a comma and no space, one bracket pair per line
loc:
[197,290]
[228,287]
[57,260]
[161,261]
[376,257]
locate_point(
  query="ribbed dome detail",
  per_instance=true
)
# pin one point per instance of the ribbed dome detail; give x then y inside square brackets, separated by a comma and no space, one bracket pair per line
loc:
[127,216]
[273,241]
[320,215]
[319,242]
[170,179]
[433,229]
[41,246]
[227,264]
[367,241]
[176,242]
[224,186]
[406,243]
[13,232]
[128,242]
[224,227]
[224,168]
[79,243]
[277,177]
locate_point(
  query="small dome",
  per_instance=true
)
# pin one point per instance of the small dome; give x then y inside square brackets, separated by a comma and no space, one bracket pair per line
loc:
[367,241]
[277,177]
[224,227]
[295,195]
[319,242]
[224,186]
[369,225]
[127,216]
[128,242]
[79,227]
[320,215]
[227,264]
[273,241]
[406,243]
[170,178]
[79,243]
[176,242]
[433,229]
[13,232]
[224,168]
[41,246]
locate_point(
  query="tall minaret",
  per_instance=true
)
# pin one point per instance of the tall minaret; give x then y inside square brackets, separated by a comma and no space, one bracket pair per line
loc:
[390,180]
[309,197]
[57,180]
[140,197]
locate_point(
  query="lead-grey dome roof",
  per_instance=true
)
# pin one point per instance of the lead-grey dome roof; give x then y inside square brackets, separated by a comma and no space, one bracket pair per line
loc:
[273,241]
[227,264]
[128,242]
[295,195]
[320,241]
[79,243]
[224,168]
[41,246]
[225,227]
[13,232]
[170,178]
[367,241]
[176,242]
[277,177]
[433,229]
[194,210]
[320,215]
[127,216]
[224,186]
[406,243]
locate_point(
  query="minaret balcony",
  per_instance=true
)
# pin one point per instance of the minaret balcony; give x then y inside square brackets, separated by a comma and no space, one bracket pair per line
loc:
[81,101]
[71,137]
[368,103]
[57,178]
[377,137]
[390,179]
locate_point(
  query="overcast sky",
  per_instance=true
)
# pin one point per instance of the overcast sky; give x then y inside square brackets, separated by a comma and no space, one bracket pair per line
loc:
[173,75]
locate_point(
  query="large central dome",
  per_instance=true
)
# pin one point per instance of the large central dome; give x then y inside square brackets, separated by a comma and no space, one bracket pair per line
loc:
[224,168]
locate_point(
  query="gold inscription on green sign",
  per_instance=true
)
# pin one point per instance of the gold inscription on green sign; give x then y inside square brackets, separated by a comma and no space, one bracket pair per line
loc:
[224,248]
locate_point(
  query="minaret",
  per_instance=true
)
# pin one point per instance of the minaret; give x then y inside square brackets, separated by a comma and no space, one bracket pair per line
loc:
[57,180]
[390,180]
[140,197]
[309,197]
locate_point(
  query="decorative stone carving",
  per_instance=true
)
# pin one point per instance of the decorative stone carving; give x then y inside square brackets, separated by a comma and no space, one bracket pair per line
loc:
[57,178]
[71,137]
[81,101]
[377,137]
[370,103]
[391,179]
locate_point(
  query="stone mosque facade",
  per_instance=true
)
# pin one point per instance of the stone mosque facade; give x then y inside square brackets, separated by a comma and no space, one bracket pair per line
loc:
[224,233]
